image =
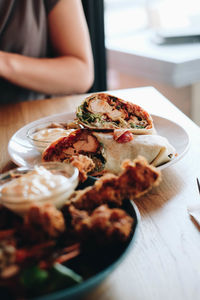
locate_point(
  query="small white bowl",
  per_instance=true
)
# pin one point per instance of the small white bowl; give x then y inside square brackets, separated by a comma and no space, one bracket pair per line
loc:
[24,195]
[42,135]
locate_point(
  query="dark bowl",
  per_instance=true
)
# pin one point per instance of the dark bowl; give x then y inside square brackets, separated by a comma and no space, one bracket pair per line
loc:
[105,264]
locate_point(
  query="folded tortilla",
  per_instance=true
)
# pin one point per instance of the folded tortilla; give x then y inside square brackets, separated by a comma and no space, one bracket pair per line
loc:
[155,148]
[108,153]
[102,111]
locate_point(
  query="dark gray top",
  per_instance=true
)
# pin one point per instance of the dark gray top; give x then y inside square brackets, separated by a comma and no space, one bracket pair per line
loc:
[23,30]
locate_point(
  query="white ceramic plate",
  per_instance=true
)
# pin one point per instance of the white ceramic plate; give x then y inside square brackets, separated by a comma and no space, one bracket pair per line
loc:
[23,153]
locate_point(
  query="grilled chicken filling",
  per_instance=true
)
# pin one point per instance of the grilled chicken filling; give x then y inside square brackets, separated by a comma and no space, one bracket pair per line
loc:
[79,142]
[106,111]
[100,106]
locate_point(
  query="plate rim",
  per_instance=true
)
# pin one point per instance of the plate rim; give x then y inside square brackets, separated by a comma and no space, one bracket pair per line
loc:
[179,156]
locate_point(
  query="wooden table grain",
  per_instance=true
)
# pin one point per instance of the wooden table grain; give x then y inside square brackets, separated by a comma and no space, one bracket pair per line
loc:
[164,262]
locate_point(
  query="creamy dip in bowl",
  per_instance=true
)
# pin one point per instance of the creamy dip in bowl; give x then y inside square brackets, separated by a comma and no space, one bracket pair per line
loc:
[42,135]
[48,182]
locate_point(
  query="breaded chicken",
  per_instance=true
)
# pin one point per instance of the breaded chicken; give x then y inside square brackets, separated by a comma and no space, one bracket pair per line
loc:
[45,219]
[84,164]
[104,224]
[137,178]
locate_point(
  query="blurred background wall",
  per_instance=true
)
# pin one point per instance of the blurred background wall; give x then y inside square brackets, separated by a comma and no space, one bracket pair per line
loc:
[173,39]
[155,43]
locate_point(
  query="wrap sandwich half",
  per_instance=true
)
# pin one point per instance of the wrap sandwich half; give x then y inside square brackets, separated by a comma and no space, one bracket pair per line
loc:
[106,112]
[109,150]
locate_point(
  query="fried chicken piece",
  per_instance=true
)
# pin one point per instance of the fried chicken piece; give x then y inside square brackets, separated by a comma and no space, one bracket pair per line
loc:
[137,178]
[84,164]
[44,219]
[104,224]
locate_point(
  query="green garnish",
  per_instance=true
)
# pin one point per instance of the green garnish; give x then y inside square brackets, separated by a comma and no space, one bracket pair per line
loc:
[136,126]
[87,117]
[33,277]
[38,281]
[140,127]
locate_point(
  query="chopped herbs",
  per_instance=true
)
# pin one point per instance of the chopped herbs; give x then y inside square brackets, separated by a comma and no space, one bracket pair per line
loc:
[136,126]
[140,126]
[88,117]
[99,162]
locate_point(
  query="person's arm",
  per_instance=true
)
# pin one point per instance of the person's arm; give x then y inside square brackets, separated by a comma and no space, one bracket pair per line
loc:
[72,69]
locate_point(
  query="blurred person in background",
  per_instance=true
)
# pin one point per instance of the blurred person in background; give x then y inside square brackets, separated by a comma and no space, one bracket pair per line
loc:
[45,49]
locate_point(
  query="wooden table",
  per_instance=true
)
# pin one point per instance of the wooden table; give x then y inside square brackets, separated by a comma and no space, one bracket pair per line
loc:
[165,260]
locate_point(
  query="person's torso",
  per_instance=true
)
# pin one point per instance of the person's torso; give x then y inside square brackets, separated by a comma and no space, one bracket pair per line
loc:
[23,30]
